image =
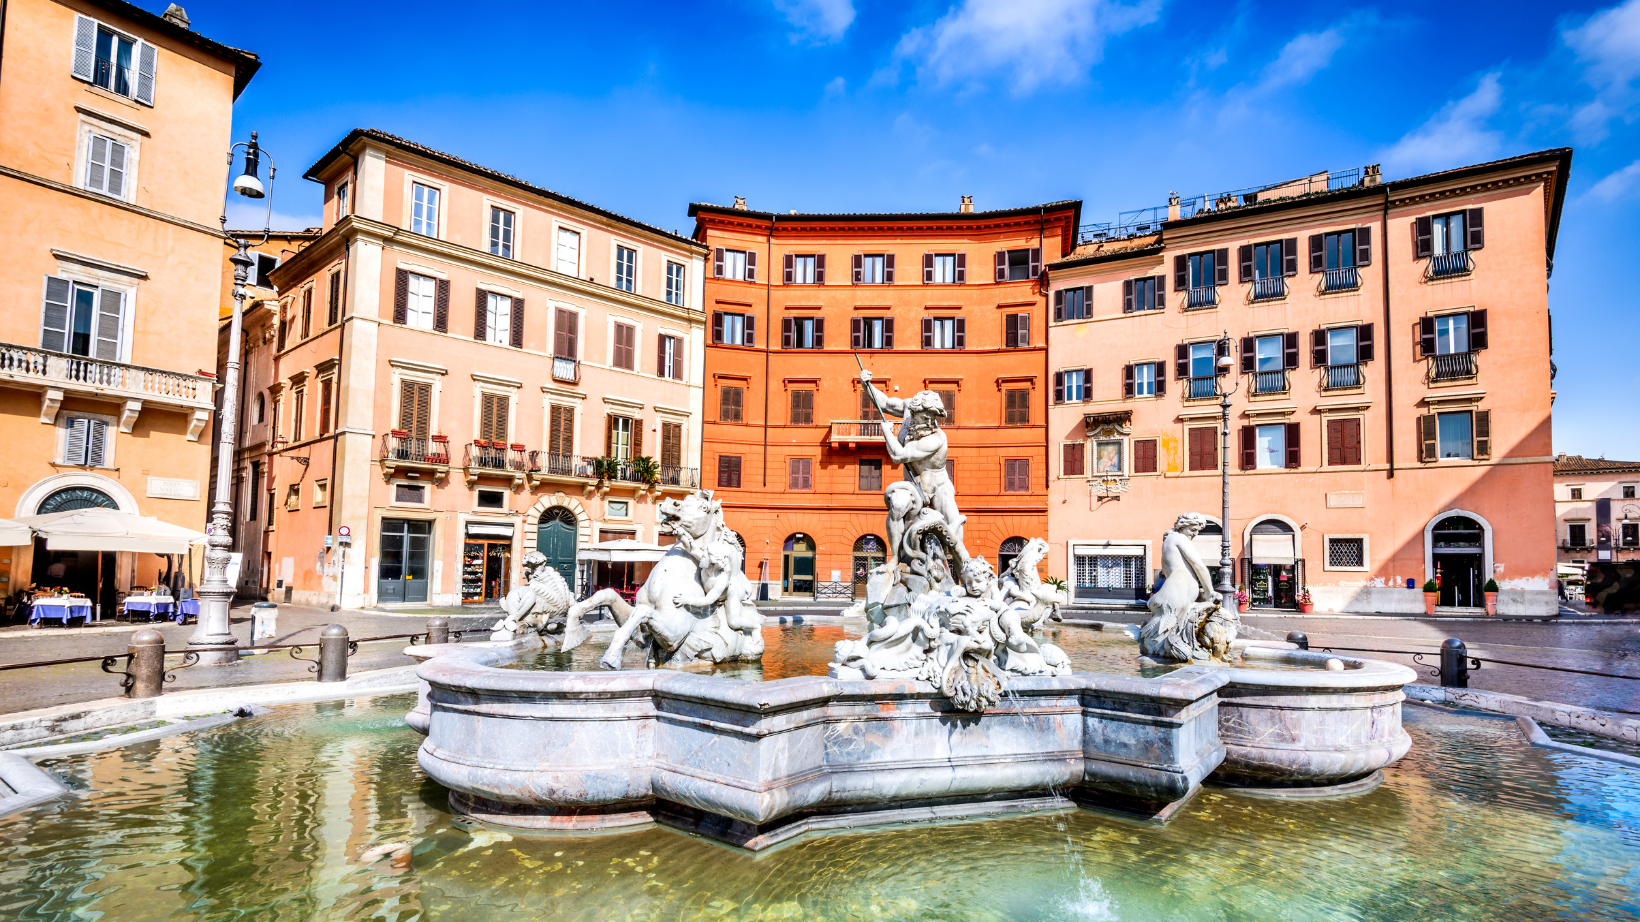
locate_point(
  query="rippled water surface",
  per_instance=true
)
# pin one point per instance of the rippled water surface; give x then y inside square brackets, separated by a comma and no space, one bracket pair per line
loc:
[267,819]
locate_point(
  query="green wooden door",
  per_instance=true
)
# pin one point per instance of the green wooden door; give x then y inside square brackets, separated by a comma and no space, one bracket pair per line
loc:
[555,539]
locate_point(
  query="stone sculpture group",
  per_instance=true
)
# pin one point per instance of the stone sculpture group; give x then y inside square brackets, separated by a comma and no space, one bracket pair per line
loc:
[1188,619]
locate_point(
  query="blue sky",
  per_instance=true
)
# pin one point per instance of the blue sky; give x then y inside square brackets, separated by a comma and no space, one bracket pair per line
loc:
[854,105]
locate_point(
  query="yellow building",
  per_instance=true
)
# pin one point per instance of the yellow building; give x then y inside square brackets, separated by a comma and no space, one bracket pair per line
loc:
[112,174]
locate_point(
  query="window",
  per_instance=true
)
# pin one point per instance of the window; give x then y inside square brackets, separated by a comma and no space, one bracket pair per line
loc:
[618,508]
[945,268]
[1016,331]
[1073,303]
[1269,354]
[1202,360]
[1146,294]
[1144,456]
[951,472]
[1341,346]
[871,475]
[270,508]
[1072,386]
[871,333]
[1198,275]
[424,210]
[805,269]
[1577,492]
[334,308]
[82,319]
[1455,435]
[490,499]
[1018,265]
[566,339]
[85,442]
[669,357]
[307,312]
[1451,334]
[944,333]
[341,200]
[1203,269]
[1144,379]
[105,166]
[1463,434]
[868,409]
[117,63]
[1198,362]
[253,495]
[671,451]
[114,54]
[1107,456]
[1344,441]
[326,390]
[626,268]
[802,474]
[1073,459]
[1346,553]
[1267,260]
[1016,403]
[1204,448]
[1338,250]
[1577,534]
[261,412]
[560,438]
[293,497]
[728,471]
[873,268]
[1270,446]
[1447,240]
[421,306]
[1631,534]
[802,408]
[257,272]
[948,399]
[733,329]
[739,265]
[495,318]
[1340,255]
[412,493]
[296,417]
[415,413]
[1447,234]
[1628,491]
[567,258]
[321,492]
[501,233]
[619,438]
[802,333]
[1016,475]
[626,347]
[492,417]
[730,403]
[674,283]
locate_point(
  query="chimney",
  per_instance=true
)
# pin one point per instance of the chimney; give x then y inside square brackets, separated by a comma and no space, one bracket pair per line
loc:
[176,15]
[740,202]
[967,204]
[1370,176]
[1173,206]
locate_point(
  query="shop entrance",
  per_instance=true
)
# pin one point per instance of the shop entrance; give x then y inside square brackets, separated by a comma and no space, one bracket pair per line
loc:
[1457,545]
[555,539]
[88,573]
[1272,572]
[797,566]
[869,552]
[406,549]
[486,568]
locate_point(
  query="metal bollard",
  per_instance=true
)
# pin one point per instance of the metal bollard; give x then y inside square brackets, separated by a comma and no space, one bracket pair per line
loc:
[333,650]
[438,630]
[1298,639]
[147,669]
[1454,663]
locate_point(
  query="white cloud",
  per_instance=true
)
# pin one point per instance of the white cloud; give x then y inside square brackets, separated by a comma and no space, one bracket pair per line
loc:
[1047,42]
[1457,134]
[1608,46]
[836,87]
[817,20]
[1301,58]
[1616,185]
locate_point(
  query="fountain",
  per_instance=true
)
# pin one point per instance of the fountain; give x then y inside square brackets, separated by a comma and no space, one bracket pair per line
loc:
[952,704]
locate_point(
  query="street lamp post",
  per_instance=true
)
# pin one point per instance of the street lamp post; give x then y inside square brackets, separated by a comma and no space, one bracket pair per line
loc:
[1226,365]
[215,592]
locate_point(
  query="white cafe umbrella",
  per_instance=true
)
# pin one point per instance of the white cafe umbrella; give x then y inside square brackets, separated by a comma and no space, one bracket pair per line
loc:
[13,534]
[101,529]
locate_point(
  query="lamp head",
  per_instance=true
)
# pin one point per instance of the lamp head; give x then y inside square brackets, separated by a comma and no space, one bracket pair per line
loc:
[1225,363]
[247,184]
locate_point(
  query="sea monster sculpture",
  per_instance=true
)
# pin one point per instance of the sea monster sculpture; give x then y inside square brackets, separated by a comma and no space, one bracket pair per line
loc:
[539,604]
[1186,609]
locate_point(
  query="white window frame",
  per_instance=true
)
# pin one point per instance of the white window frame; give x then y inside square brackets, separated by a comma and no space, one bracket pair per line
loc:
[321,492]
[426,492]
[75,274]
[1450,321]
[64,427]
[943,333]
[341,196]
[506,500]
[867,264]
[615,247]
[615,436]
[677,356]
[682,283]
[1366,553]
[1260,440]
[1070,374]
[1149,369]
[803,271]
[490,208]
[739,336]
[438,207]
[1355,344]
[558,230]
[491,326]
[733,269]
[412,299]
[948,263]
[138,45]
[88,163]
[1470,414]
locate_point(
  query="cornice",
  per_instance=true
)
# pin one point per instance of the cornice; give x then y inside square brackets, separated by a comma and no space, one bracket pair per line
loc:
[112,203]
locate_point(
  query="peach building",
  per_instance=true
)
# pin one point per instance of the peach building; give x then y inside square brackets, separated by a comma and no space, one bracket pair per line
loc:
[469,368]
[948,302]
[113,170]
[1389,360]
[1597,511]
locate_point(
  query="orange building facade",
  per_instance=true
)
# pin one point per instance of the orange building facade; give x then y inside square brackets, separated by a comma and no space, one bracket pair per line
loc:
[949,302]
[1389,356]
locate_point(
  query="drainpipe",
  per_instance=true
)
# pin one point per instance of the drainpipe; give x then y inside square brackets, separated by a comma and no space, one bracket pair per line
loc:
[1389,344]
[1047,372]
[768,331]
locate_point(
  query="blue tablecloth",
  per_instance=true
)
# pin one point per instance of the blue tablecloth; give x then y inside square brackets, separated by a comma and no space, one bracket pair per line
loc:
[149,606]
[189,607]
[41,609]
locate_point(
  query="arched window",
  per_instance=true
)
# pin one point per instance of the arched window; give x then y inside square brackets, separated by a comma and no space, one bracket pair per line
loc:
[72,498]
[261,409]
[797,565]
[1010,549]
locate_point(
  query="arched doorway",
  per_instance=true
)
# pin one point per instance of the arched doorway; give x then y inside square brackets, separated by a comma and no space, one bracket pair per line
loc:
[1272,571]
[869,552]
[1457,546]
[555,539]
[89,573]
[1010,549]
[72,498]
[797,565]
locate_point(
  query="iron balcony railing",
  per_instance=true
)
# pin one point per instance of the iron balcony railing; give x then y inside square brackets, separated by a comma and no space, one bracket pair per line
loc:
[1453,366]
[44,368]
[1445,265]
[415,449]
[566,369]
[1201,387]
[674,476]
[856,430]
[1334,377]
[1201,297]
[496,456]
[623,470]
[112,77]
[1345,279]
[1270,382]
[1267,289]
[542,462]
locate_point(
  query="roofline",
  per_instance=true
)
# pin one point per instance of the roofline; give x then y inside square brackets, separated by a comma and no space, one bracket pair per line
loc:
[246,64]
[411,147]
[1075,262]
[1075,205]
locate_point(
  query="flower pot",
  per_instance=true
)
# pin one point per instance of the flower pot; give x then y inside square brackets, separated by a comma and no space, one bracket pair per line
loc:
[1492,603]
[1429,602]
[517,446]
[1306,607]
[1241,605]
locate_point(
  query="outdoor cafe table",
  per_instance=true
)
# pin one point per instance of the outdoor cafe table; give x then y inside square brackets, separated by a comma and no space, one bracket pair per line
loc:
[62,609]
[150,604]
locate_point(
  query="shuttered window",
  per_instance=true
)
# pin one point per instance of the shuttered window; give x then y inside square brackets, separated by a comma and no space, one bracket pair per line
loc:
[415,407]
[561,431]
[492,417]
[326,392]
[732,329]
[1204,448]
[1016,475]
[493,318]
[1016,403]
[1144,456]
[671,445]
[307,312]
[728,471]
[1077,303]
[802,333]
[334,311]
[801,474]
[871,474]
[802,408]
[114,61]
[82,319]
[944,333]
[86,442]
[1073,459]
[1016,331]
[1146,294]
[566,338]
[1344,441]
[623,437]
[740,265]
[626,346]
[421,301]
[868,407]
[669,357]
[298,412]
[105,166]
[731,401]
[949,400]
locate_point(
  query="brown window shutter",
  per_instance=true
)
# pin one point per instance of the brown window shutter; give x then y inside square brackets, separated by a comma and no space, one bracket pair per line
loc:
[1181,273]
[1058,388]
[751,265]
[859,264]
[786,332]
[962,333]
[1423,237]
[1426,336]
[1036,262]
[928,268]
[1249,447]
[1318,348]
[517,333]
[717,262]
[1221,348]
[324,405]
[1363,246]
[717,326]
[1087,384]
[660,355]
[1289,347]
[1181,361]
[1193,460]
[335,298]
[962,268]
[1070,463]
[1127,296]
[1483,433]
[888,333]
[1161,379]
[609,436]
[1352,441]
[1010,336]
[1474,228]
[1127,380]
[1363,343]
[819,268]
[856,333]
[1289,256]
[1221,266]
[1002,265]
[441,306]
[1244,256]
[1428,438]
[671,444]
[1293,445]
[1144,456]
[481,305]
[751,330]
[888,268]
[819,332]
[786,269]
[307,312]
[1477,330]
[928,333]
[1249,355]
[1335,441]
[1059,305]
[1318,253]
[637,437]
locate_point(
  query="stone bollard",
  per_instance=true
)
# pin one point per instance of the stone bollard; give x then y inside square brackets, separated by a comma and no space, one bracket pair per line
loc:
[333,647]
[438,630]
[147,669]
[1454,663]
[1298,639]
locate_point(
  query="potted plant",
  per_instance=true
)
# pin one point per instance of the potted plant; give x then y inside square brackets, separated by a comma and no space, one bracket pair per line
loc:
[1491,591]
[1431,593]
[1241,599]
[647,471]
[400,433]
[605,469]
[1305,603]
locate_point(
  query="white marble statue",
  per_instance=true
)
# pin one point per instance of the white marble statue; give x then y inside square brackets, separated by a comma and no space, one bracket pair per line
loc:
[1186,609]
[695,607]
[537,605]
[926,497]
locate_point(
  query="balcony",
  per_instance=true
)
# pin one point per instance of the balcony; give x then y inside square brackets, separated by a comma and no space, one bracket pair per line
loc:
[674,476]
[1453,366]
[1448,265]
[566,370]
[546,465]
[1340,377]
[1346,279]
[1201,388]
[852,432]
[495,458]
[402,451]
[57,374]
[1269,289]
[1270,382]
[1201,297]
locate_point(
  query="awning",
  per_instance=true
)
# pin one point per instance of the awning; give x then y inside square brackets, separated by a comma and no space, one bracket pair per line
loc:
[100,529]
[13,534]
[622,549]
[490,529]
[1272,549]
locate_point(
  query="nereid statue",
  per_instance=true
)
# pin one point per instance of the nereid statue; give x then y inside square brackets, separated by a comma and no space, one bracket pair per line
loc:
[1188,619]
